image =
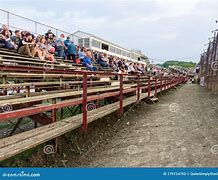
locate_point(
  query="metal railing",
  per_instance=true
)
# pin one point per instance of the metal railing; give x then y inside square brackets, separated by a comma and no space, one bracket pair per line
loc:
[157,84]
[209,65]
[17,22]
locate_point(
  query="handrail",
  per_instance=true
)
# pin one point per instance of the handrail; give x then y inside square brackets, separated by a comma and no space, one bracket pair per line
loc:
[165,82]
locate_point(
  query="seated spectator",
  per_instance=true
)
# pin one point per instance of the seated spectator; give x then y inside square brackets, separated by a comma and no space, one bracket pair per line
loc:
[60,47]
[16,39]
[26,45]
[52,46]
[23,34]
[5,39]
[95,55]
[87,62]
[49,36]
[102,60]
[141,68]
[44,51]
[131,69]
[41,49]
[4,27]
[81,54]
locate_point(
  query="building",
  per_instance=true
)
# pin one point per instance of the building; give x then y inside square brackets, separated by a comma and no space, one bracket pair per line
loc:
[95,43]
[142,57]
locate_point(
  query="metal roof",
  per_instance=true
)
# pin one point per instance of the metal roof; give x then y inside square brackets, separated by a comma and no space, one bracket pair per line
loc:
[105,41]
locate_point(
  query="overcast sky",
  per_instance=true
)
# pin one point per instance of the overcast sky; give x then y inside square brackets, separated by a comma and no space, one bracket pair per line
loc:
[162,29]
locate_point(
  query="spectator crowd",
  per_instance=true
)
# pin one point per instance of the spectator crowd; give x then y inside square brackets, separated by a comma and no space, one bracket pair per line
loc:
[49,46]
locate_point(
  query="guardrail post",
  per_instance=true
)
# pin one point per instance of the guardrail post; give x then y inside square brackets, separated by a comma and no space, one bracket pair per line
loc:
[165,81]
[54,114]
[84,108]
[4,81]
[161,83]
[149,86]
[121,95]
[54,119]
[170,83]
[155,92]
[138,88]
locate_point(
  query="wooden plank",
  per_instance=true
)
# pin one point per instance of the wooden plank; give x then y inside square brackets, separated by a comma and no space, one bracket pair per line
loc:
[41,64]
[18,143]
[9,74]
[48,83]
[51,96]
[15,55]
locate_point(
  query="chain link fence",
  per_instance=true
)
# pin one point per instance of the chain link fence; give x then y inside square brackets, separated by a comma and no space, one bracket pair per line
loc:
[209,65]
[17,22]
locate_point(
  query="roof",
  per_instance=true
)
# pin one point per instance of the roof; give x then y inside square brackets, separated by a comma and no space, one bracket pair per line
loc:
[105,41]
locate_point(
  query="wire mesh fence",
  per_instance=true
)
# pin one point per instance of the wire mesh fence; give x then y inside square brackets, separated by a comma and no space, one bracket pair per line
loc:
[17,22]
[209,65]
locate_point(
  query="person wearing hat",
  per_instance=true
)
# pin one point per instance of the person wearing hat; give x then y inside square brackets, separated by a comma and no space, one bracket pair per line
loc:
[49,36]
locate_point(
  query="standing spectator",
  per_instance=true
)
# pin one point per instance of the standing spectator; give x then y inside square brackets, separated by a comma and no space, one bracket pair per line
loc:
[26,45]
[60,46]
[87,62]
[66,43]
[70,50]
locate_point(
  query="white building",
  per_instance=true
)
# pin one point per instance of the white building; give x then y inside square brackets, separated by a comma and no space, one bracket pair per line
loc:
[95,43]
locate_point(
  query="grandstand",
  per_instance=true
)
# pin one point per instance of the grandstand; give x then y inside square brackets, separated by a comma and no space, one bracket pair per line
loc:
[61,96]
[95,43]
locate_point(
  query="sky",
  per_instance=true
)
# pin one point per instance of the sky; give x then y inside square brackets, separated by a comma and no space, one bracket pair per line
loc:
[161,29]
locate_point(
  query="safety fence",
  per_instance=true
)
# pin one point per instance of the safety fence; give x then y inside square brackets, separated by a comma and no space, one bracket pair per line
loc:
[208,64]
[17,22]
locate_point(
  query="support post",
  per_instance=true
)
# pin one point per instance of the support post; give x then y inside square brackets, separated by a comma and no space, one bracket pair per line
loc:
[84,108]
[35,23]
[27,91]
[149,86]
[138,88]
[4,81]
[161,84]
[8,18]
[155,93]
[165,84]
[54,119]
[121,95]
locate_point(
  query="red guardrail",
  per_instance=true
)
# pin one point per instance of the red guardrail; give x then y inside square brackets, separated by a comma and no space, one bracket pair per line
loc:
[165,82]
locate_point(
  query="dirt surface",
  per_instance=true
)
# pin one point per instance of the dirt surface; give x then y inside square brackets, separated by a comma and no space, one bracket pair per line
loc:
[179,131]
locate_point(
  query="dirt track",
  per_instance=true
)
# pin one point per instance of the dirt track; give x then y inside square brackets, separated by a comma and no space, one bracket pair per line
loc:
[179,131]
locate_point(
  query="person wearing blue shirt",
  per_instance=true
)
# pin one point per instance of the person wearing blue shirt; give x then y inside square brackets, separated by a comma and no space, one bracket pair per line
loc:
[81,54]
[71,51]
[87,62]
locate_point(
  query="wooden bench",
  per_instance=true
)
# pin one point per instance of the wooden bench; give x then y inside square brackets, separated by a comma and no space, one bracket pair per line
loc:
[16,144]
